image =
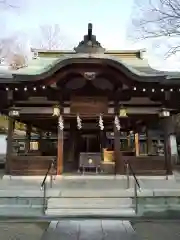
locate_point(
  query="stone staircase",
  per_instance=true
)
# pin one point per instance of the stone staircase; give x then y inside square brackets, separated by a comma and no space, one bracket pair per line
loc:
[90,206]
[87,197]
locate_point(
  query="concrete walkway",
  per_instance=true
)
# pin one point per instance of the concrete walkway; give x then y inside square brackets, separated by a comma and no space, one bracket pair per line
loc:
[22,231]
[157,230]
[90,230]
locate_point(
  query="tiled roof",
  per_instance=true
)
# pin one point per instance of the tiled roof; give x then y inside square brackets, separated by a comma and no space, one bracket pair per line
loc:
[134,65]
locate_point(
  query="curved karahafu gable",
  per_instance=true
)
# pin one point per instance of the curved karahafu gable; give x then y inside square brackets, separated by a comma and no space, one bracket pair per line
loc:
[88,51]
[43,67]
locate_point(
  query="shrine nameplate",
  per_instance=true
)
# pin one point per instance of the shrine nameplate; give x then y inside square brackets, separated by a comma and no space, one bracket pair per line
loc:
[89,105]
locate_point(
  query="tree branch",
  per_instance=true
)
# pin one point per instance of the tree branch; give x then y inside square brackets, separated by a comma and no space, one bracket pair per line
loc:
[156,19]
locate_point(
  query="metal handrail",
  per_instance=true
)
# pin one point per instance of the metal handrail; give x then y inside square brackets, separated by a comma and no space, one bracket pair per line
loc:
[128,170]
[51,165]
[44,185]
[136,183]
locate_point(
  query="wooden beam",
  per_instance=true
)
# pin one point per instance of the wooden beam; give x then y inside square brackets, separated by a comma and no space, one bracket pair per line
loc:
[36,110]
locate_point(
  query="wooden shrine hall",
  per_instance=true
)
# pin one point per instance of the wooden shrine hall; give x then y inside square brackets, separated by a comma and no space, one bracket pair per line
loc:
[90,108]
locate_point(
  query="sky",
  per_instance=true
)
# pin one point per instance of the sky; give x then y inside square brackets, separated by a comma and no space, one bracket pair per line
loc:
[111,22]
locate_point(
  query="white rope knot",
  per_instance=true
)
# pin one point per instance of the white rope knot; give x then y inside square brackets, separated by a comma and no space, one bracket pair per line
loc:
[79,122]
[117,123]
[61,123]
[101,123]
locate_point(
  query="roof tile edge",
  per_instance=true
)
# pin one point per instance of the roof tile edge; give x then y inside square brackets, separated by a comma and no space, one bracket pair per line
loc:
[128,53]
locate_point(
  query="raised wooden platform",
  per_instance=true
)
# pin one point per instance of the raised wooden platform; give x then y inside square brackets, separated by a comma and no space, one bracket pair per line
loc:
[30,165]
[38,165]
[142,165]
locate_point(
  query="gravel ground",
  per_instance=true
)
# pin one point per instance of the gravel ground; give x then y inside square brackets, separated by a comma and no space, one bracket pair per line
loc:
[22,231]
[157,230]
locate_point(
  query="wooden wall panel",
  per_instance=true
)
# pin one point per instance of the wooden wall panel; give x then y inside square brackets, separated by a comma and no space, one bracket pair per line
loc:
[147,165]
[30,165]
[89,105]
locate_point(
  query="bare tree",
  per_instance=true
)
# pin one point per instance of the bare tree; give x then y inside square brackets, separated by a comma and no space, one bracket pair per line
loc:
[50,37]
[10,4]
[15,50]
[160,20]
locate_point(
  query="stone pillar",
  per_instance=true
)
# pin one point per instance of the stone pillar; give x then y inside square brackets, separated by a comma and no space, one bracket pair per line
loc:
[60,143]
[9,150]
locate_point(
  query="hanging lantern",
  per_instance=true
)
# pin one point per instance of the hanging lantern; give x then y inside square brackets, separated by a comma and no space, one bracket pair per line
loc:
[122,112]
[117,123]
[79,122]
[14,112]
[56,111]
[101,124]
[61,122]
[164,113]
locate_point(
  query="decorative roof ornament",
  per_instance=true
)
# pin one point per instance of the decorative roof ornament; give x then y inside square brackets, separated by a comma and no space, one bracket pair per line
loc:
[89,44]
[35,54]
[90,75]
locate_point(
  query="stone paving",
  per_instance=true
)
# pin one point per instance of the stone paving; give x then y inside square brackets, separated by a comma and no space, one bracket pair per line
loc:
[157,230]
[111,229]
[90,230]
[22,231]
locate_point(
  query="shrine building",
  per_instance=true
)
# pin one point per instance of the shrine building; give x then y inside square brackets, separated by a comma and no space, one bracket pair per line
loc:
[90,108]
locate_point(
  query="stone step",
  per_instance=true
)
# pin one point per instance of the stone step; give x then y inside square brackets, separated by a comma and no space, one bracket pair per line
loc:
[21,211]
[20,201]
[91,193]
[128,212]
[88,203]
[101,193]
[26,193]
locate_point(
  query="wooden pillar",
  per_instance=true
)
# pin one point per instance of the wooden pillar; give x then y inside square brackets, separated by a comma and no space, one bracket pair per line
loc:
[28,137]
[102,143]
[9,150]
[73,132]
[149,142]
[70,162]
[60,143]
[119,164]
[136,142]
[128,140]
[40,141]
